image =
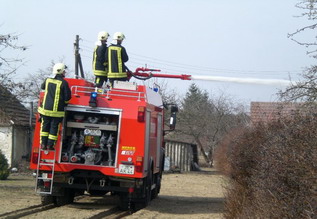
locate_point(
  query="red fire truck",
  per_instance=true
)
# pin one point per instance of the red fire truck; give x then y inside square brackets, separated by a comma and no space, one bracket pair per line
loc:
[111,140]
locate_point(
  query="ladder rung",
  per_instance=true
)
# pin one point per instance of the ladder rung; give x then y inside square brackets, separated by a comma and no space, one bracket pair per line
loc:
[49,193]
[46,164]
[45,178]
[48,160]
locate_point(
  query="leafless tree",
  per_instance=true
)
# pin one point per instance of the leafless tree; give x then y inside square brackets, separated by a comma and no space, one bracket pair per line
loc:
[30,88]
[309,8]
[205,120]
[9,64]
[305,90]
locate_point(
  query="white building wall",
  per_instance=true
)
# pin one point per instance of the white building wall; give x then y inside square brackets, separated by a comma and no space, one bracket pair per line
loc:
[6,142]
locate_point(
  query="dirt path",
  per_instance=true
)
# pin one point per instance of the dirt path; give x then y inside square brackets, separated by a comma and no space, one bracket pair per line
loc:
[183,195]
[187,195]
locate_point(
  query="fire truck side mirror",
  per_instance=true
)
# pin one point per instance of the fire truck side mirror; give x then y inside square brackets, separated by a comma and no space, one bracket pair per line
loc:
[173,121]
[174,110]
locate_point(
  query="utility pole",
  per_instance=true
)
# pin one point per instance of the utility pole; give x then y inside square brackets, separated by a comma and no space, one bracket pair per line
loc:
[76,47]
[78,62]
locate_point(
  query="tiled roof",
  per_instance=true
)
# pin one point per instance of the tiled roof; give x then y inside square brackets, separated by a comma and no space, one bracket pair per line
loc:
[270,111]
[11,109]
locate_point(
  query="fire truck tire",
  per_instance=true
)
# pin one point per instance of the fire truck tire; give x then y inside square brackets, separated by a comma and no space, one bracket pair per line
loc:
[65,199]
[160,174]
[46,200]
[156,190]
[147,191]
[159,183]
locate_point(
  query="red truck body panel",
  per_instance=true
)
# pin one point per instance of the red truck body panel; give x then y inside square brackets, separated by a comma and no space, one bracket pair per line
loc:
[134,139]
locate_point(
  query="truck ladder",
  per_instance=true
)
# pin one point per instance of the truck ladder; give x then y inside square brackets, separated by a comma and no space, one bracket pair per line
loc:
[48,176]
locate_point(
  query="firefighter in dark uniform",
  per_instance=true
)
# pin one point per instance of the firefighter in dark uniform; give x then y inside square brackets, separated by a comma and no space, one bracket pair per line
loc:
[56,96]
[99,64]
[116,57]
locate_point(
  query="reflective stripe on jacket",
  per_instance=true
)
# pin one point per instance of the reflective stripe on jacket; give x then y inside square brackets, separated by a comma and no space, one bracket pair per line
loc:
[99,64]
[56,96]
[117,56]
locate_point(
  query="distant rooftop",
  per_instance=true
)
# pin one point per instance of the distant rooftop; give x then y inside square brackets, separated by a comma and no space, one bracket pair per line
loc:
[271,111]
[12,110]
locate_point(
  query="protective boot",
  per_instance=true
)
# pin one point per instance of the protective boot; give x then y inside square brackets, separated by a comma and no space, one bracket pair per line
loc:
[51,144]
[43,147]
[51,148]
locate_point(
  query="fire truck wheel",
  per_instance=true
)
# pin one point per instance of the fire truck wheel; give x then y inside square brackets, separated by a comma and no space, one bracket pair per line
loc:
[159,183]
[46,200]
[67,198]
[160,174]
[156,190]
[148,181]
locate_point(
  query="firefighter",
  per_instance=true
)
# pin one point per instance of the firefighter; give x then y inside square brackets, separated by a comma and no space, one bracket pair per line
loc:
[56,96]
[116,57]
[99,59]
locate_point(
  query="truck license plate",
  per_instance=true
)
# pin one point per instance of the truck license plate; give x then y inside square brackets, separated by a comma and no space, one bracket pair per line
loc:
[126,169]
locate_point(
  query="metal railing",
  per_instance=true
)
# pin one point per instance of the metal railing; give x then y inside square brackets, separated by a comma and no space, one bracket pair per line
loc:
[108,93]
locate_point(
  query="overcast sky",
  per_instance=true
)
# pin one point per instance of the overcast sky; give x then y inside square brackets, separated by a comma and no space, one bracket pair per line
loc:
[245,38]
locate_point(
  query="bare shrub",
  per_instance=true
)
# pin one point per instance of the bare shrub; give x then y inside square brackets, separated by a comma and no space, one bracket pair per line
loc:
[224,149]
[273,170]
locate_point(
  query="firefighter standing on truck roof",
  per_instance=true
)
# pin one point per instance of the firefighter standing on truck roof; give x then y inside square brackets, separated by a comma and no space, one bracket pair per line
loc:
[116,57]
[56,96]
[99,65]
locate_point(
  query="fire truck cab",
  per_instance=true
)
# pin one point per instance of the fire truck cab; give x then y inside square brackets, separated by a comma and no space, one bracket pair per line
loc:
[111,140]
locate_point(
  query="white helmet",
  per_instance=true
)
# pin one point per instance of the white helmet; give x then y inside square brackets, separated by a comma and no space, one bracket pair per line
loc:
[59,68]
[118,36]
[103,35]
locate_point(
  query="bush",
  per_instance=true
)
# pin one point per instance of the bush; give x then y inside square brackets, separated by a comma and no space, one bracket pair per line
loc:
[273,170]
[223,151]
[4,167]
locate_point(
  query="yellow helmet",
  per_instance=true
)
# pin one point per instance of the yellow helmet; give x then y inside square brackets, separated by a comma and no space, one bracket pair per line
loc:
[103,35]
[59,68]
[118,36]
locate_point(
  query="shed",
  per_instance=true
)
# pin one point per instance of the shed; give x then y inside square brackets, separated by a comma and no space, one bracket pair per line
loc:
[180,156]
[15,128]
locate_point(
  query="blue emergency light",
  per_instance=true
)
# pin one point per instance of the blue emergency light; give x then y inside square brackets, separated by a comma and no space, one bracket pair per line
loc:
[94,94]
[93,99]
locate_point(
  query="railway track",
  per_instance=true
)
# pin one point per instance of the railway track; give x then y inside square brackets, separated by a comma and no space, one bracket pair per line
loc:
[26,211]
[37,211]
[112,213]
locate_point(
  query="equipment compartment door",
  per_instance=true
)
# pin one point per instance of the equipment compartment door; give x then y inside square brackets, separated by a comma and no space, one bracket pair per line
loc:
[91,136]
